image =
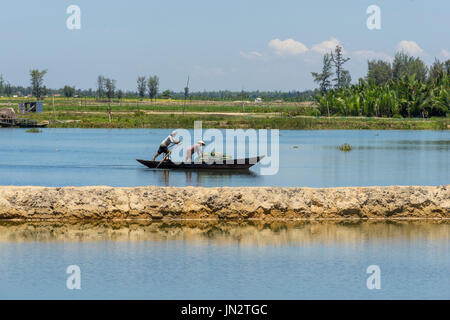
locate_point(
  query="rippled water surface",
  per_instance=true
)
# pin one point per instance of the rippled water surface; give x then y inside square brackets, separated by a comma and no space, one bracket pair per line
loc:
[175,260]
[181,260]
[60,157]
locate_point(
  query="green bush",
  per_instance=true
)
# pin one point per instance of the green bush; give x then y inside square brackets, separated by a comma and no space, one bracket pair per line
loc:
[345,147]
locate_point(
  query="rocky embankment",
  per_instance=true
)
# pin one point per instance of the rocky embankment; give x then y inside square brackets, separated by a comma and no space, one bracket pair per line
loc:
[99,202]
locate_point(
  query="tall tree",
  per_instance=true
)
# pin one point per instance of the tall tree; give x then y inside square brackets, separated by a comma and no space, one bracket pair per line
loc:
[153,86]
[2,85]
[437,71]
[323,78]
[110,86]
[8,89]
[400,65]
[447,67]
[37,83]
[68,91]
[346,78]
[119,94]
[343,78]
[379,71]
[186,94]
[186,91]
[405,65]
[166,94]
[141,86]
[418,67]
[100,86]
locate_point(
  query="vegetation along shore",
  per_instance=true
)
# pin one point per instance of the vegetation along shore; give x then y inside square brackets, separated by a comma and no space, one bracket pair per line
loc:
[402,94]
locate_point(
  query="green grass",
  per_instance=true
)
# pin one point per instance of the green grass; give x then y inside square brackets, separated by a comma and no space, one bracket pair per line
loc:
[130,105]
[131,113]
[143,120]
[345,147]
[34,130]
[287,110]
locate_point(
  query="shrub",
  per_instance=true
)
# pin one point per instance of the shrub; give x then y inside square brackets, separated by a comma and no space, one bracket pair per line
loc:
[345,147]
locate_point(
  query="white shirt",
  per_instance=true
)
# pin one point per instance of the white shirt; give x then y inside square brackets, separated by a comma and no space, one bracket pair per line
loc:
[167,141]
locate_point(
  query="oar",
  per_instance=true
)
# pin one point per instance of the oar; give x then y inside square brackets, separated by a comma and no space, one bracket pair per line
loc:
[167,155]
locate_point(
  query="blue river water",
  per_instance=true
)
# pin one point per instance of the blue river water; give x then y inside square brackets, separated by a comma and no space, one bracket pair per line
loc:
[304,261]
[62,157]
[149,260]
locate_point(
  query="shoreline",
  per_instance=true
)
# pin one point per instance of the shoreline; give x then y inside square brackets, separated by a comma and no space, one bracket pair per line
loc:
[241,121]
[227,203]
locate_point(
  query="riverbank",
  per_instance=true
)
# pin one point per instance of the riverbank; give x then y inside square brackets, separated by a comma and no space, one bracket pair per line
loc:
[265,203]
[231,120]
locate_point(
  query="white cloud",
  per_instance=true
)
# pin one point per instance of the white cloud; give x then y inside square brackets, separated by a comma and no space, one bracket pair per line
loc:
[371,55]
[326,46]
[409,47]
[251,55]
[287,47]
[445,54]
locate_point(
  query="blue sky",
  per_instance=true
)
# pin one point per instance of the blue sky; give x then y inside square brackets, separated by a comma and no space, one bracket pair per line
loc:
[219,44]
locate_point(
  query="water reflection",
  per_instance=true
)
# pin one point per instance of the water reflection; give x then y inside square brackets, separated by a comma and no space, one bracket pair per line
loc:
[249,232]
[195,177]
[422,142]
[403,145]
[430,147]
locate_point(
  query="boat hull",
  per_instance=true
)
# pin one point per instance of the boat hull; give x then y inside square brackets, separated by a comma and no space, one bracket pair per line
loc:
[237,164]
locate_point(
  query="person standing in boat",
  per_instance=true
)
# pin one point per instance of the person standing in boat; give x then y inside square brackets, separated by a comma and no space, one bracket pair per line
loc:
[196,148]
[164,146]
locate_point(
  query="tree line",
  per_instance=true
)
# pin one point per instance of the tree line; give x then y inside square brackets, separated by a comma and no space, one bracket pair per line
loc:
[404,88]
[36,88]
[148,85]
[145,87]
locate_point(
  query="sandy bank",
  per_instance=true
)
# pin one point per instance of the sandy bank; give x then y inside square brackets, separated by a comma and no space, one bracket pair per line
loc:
[99,202]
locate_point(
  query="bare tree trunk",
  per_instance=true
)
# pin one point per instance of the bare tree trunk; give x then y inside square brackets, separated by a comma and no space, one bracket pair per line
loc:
[53,104]
[109,111]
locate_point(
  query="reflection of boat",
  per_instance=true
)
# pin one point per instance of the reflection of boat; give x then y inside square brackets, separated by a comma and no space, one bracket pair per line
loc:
[235,164]
[8,118]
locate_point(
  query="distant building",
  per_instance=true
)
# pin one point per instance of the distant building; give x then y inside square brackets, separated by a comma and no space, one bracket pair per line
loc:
[258,100]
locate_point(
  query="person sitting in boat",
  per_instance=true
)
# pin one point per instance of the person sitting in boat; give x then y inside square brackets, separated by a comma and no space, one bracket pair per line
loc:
[196,148]
[164,146]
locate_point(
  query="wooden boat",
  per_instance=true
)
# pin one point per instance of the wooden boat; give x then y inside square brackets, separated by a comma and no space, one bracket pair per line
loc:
[22,123]
[236,164]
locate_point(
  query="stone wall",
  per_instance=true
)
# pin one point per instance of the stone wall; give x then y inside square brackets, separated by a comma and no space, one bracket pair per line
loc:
[99,202]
